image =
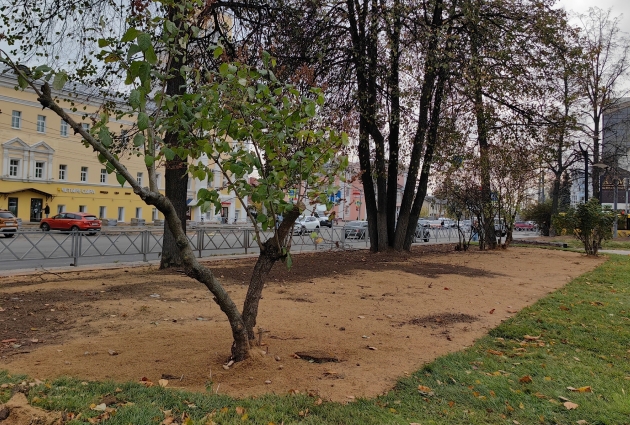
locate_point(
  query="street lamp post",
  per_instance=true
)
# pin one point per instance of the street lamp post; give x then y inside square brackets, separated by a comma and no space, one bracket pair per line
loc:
[615,183]
[625,188]
[585,155]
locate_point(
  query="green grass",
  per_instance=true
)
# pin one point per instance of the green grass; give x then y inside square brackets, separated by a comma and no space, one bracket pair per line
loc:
[584,331]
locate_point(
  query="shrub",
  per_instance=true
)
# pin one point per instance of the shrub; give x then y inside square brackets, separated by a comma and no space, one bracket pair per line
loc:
[539,213]
[589,223]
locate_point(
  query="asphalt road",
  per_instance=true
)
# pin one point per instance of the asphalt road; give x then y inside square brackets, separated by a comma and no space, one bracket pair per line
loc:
[33,249]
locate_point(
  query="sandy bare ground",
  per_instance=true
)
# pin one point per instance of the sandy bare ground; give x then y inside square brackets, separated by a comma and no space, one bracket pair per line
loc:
[381,316]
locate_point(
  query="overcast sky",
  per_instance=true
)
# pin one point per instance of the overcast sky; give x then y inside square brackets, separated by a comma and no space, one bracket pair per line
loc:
[618,7]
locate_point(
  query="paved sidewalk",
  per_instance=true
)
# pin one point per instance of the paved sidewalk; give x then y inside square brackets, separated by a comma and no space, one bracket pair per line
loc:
[615,251]
[107,266]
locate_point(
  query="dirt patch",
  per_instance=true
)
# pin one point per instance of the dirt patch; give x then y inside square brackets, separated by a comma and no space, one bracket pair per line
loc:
[381,315]
[443,319]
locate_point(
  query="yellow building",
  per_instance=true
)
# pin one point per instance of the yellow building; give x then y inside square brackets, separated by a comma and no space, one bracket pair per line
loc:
[42,162]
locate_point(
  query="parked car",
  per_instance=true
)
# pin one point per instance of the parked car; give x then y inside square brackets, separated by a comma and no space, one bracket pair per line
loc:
[306,224]
[356,230]
[8,223]
[72,222]
[524,226]
[324,221]
[499,227]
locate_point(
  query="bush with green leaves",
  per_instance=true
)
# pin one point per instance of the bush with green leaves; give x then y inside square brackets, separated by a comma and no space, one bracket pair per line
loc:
[539,213]
[589,223]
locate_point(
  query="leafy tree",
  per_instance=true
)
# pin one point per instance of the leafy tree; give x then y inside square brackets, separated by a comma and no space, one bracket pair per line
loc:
[588,222]
[605,65]
[240,117]
[67,34]
[539,213]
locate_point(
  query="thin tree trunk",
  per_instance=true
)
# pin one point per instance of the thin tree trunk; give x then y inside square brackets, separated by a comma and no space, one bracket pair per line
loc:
[410,208]
[176,187]
[175,173]
[271,253]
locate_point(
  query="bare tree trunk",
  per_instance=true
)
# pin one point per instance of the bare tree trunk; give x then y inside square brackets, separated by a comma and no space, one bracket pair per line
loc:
[266,260]
[176,182]
[175,173]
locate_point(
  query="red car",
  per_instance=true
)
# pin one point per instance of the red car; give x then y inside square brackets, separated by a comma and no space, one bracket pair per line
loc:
[72,221]
[524,225]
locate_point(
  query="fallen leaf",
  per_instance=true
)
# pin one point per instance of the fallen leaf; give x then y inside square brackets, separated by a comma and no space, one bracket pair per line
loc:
[163,382]
[531,338]
[240,410]
[167,421]
[492,311]
[446,289]
[570,406]
[582,422]
[361,317]
[581,389]
[424,389]
[495,352]
[101,407]
[525,379]
[371,348]
[451,403]
[318,402]
[112,352]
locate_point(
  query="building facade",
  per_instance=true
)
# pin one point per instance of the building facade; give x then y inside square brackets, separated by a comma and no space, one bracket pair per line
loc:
[43,163]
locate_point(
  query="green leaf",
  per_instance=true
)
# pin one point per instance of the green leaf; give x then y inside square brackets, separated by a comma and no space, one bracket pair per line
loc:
[105,137]
[168,153]
[310,109]
[289,260]
[22,82]
[134,98]
[60,80]
[133,49]
[262,218]
[218,51]
[143,121]
[131,34]
[138,139]
[150,56]
[170,27]
[149,160]
[103,42]
[144,41]
[121,179]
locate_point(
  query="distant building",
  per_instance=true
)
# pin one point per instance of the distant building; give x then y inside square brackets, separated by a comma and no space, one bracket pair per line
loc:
[615,153]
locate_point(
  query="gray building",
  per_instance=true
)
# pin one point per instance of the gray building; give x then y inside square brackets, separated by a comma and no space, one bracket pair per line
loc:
[615,151]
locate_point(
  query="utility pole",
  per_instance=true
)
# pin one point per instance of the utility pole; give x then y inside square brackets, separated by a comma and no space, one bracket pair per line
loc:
[616,183]
[585,155]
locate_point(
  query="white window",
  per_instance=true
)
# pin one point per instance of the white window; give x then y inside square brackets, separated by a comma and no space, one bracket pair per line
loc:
[189,183]
[62,172]
[16,119]
[14,166]
[121,213]
[102,211]
[103,175]
[84,174]
[39,169]
[139,178]
[158,180]
[61,208]
[154,214]
[63,130]
[41,123]
[138,212]
[82,208]
[85,126]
